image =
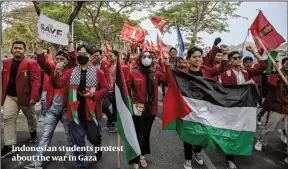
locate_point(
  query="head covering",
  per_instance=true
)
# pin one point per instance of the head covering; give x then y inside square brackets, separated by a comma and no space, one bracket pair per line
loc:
[247,58]
[149,79]
[62,53]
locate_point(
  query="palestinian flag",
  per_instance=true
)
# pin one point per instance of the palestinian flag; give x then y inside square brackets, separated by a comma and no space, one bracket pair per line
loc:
[125,125]
[207,113]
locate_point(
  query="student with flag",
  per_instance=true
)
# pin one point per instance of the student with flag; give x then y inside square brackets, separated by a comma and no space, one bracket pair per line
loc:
[195,60]
[87,86]
[144,85]
[56,100]
[277,103]
[237,75]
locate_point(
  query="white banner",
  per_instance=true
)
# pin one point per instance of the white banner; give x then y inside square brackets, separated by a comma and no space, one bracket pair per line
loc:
[52,31]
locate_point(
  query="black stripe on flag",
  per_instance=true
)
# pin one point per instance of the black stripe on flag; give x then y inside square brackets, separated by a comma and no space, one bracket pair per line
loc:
[200,88]
[120,82]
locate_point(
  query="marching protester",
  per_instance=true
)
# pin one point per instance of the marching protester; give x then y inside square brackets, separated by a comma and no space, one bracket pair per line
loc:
[143,82]
[87,86]
[195,60]
[20,90]
[109,70]
[277,103]
[56,100]
[238,76]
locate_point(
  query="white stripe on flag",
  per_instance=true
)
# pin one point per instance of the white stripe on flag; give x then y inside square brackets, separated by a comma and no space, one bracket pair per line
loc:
[127,122]
[232,118]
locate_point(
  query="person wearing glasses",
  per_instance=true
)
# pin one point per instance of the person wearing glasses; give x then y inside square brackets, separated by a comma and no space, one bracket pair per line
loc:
[237,75]
[143,82]
[86,86]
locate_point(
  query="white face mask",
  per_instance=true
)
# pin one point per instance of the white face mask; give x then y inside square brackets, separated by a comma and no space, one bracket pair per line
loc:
[146,62]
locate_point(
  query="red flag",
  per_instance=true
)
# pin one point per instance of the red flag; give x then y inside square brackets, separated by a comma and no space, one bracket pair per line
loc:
[262,28]
[133,33]
[159,22]
[161,45]
[107,48]
[154,48]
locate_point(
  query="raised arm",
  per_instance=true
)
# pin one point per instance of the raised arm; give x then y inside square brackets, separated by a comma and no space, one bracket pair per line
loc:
[71,53]
[42,61]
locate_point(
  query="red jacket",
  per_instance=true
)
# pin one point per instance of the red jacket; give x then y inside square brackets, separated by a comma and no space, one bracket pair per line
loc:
[27,80]
[277,97]
[48,68]
[137,83]
[106,69]
[229,77]
[209,60]
[60,82]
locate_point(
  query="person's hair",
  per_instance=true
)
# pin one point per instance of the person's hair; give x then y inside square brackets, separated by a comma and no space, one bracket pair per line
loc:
[172,49]
[19,43]
[247,58]
[152,52]
[219,51]
[192,50]
[284,60]
[87,48]
[62,53]
[115,52]
[98,50]
[230,54]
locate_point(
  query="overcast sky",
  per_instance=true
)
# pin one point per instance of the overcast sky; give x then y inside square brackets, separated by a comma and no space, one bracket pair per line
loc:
[275,12]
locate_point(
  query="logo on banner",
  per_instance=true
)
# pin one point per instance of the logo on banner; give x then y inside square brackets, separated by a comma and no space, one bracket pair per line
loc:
[266,30]
[50,31]
[133,34]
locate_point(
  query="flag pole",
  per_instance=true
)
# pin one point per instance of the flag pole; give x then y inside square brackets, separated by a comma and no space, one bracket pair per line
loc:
[245,41]
[271,58]
[118,152]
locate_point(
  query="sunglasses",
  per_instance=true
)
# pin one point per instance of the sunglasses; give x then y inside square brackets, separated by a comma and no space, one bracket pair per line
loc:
[148,56]
[235,58]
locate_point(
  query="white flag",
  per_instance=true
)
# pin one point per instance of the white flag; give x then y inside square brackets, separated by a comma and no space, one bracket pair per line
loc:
[52,31]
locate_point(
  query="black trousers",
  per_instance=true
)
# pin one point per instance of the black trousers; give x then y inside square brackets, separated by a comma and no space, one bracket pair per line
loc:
[114,107]
[188,148]
[143,126]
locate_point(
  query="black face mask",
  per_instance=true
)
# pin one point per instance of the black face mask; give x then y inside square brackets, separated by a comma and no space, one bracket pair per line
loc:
[82,59]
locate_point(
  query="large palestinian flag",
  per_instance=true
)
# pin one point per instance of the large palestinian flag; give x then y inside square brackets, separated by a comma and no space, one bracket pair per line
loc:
[207,113]
[125,125]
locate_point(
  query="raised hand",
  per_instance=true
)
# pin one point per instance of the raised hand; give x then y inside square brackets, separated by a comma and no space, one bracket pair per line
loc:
[217,41]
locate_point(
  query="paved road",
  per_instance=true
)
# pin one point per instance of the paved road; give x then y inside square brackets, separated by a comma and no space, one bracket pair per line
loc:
[167,151]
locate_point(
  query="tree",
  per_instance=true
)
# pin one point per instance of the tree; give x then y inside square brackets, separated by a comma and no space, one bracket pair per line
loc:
[104,20]
[194,17]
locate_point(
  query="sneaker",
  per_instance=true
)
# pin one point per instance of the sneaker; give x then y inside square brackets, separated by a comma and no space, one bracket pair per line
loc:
[187,164]
[258,146]
[33,137]
[108,125]
[230,165]
[283,138]
[68,154]
[198,159]
[286,160]
[143,162]
[112,129]
[98,155]
[6,151]
[258,120]
[134,166]
[34,165]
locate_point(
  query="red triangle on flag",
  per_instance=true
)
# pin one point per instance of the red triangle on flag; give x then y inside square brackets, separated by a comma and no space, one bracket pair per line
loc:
[74,105]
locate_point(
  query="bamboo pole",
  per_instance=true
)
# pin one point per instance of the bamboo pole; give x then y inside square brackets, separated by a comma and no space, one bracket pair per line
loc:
[118,153]
[273,61]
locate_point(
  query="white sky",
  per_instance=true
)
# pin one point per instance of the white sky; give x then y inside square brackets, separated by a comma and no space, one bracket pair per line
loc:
[275,12]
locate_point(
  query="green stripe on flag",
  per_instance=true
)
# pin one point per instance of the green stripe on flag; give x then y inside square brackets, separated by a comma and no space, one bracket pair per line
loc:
[229,141]
[70,94]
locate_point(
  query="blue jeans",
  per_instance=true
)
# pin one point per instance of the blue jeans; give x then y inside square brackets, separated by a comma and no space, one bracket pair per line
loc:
[55,113]
[43,102]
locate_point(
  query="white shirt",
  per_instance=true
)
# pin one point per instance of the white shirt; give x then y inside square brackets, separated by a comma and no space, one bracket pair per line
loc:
[240,77]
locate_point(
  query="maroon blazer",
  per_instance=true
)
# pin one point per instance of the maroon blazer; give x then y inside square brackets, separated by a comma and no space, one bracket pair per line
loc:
[230,78]
[27,80]
[277,97]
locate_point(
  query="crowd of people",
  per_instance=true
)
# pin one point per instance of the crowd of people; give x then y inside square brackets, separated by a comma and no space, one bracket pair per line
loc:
[78,86]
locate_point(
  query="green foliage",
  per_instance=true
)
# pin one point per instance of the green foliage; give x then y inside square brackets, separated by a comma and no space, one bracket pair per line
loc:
[194,17]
